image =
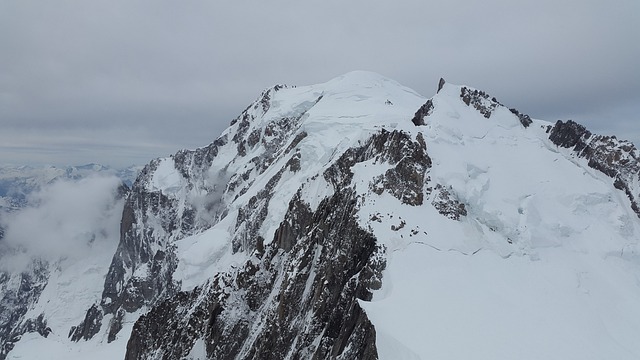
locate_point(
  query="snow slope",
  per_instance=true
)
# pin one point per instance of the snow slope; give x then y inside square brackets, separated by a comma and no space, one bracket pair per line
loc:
[544,265]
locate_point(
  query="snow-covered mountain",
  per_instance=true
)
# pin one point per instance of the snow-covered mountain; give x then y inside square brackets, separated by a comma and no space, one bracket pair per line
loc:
[356,219]
[60,224]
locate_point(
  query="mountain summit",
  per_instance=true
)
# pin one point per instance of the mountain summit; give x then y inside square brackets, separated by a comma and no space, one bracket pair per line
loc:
[356,219]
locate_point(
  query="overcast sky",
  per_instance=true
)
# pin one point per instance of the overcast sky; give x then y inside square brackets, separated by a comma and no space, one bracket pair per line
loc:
[122,82]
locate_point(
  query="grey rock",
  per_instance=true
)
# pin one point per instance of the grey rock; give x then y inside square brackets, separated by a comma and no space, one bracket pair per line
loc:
[618,159]
[441,84]
[479,100]
[90,326]
[19,291]
[447,204]
[424,111]
[525,119]
[406,179]
[299,295]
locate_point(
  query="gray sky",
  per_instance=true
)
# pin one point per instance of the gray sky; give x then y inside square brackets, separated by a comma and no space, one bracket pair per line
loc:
[121,82]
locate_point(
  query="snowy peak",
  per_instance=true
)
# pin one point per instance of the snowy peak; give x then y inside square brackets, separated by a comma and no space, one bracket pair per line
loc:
[475,99]
[353,97]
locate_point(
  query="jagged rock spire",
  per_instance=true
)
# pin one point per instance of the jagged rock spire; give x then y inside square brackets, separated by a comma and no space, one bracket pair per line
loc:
[440,84]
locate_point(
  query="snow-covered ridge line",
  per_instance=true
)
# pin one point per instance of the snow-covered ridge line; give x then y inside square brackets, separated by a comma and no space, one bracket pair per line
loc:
[617,159]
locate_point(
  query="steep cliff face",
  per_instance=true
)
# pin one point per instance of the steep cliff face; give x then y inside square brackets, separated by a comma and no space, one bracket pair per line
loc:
[142,268]
[19,293]
[234,181]
[297,298]
[191,192]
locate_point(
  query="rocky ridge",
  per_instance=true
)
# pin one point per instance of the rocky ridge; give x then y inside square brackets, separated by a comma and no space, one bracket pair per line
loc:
[615,158]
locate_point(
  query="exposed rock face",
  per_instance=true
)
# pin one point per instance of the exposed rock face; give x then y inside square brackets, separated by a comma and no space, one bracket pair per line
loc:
[525,119]
[486,105]
[38,325]
[479,100]
[440,84]
[301,302]
[405,181]
[299,296]
[142,268]
[447,204]
[141,273]
[122,288]
[569,135]
[115,324]
[617,159]
[19,292]
[89,326]
[251,217]
[425,110]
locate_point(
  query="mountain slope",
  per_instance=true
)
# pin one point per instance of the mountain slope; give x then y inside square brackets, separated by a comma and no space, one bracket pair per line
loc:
[54,257]
[357,219]
[543,265]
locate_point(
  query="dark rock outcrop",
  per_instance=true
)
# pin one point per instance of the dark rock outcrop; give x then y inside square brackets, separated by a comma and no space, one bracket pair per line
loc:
[479,100]
[89,326]
[447,204]
[423,111]
[405,181]
[570,135]
[525,119]
[617,159]
[37,325]
[19,292]
[440,84]
[115,325]
[486,105]
[301,302]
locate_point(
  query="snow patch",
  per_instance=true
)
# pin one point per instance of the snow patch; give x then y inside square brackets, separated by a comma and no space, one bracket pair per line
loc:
[166,178]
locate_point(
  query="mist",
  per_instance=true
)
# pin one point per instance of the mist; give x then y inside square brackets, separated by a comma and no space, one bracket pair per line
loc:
[63,221]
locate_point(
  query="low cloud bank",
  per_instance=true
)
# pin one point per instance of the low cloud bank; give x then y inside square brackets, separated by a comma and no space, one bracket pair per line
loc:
[65,220]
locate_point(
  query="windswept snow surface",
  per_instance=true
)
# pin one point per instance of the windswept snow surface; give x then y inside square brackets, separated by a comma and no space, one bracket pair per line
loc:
[544,266]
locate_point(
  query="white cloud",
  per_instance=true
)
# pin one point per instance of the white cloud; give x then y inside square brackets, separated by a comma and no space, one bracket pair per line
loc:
[66,220]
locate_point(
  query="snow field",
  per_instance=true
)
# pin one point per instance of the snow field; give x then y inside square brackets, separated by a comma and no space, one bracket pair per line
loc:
[535,270]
